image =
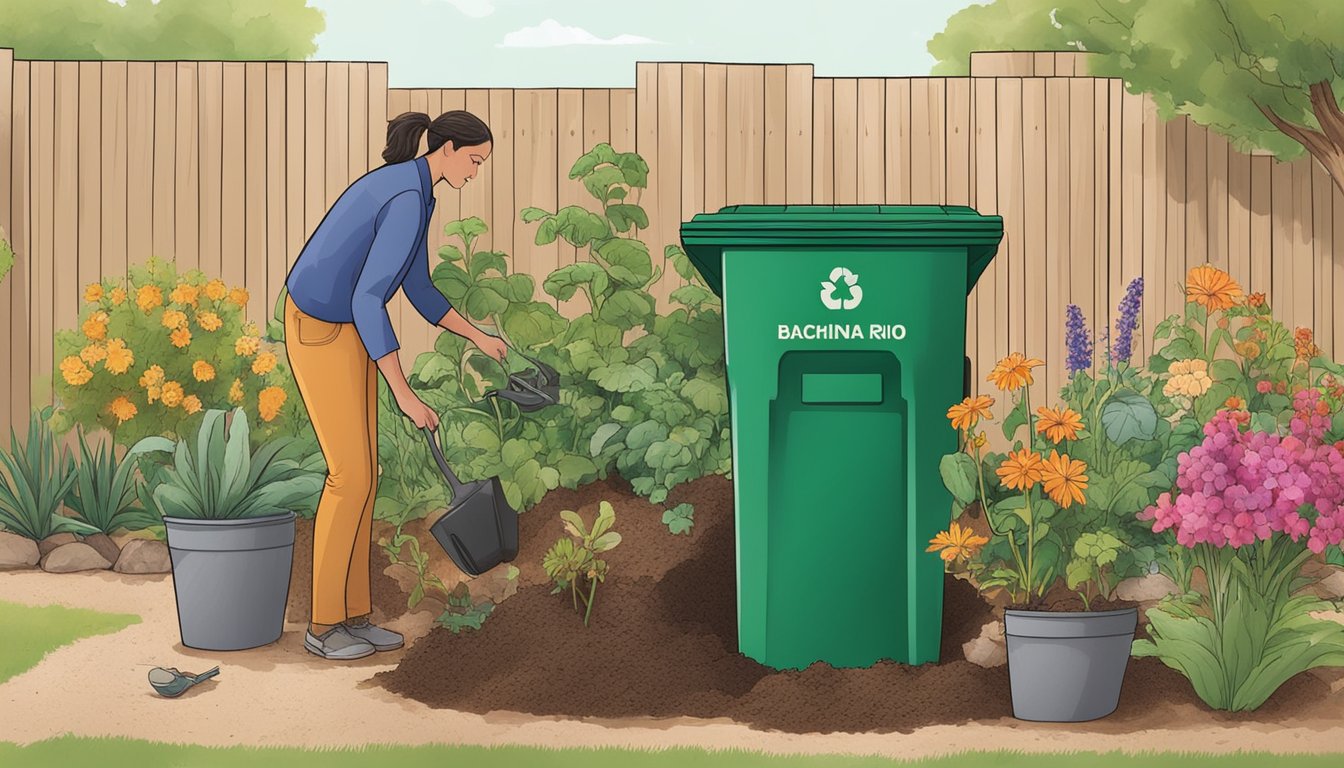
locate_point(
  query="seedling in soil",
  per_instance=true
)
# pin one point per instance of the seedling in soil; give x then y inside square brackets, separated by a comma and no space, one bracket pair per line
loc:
[569,563]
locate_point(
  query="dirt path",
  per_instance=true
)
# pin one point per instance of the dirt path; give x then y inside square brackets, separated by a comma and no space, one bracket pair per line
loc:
[281,696]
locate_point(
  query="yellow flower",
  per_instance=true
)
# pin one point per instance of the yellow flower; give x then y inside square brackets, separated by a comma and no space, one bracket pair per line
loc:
[239,296]
[246,346]
[979,440]
[965,414]
[1058,425]
[1021,470]
[171,394]
[95,328]
[1064,479]
[75,372]
[148,297]
[152,377]
[209,321]
[123,409]
[119,357]
[94,293]
[250,329]
[216,290]
[94,353]
[152,393]
[181,338]
[236,392]
[1247,349]
[184,294]
[1189,378]
[191,404]
[956,543]
[264,364]
[269,402]
[118,296]
[1013,372]
[202,370]
[173,319]
[1235,403]
[1212,288]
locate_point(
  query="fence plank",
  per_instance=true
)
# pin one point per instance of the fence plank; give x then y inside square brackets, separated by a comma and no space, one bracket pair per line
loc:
[19,231]
[503,174]
[798,124]
[1299,265]
[823,141]
[165,160]
[87,155]
[956,133]
[1239,216]
[1262,221]
[746,146]
[1057,206]
[186,226]
[139,169]
[1009,170]
[646,140]
[1217,169]
[776,115]
[535,116]
[992,328]
[623,119]
[296,131]
[260,299]
[1197,192]
[1101,214]
[846,110]
[569,116]
[1337,276]
[927,154]
[1322,234]
[59,222]
[693,145]
[476,196]
[666,175]
[210,186]
[871,128]
[314,146]
[277,247]
[899,124]
[716,136]
[1281,242]
[1154,224]
[233,175]
[1175,136]
[1041,335]
[357,118]
[1130,176]
[1082,194]
[7,288]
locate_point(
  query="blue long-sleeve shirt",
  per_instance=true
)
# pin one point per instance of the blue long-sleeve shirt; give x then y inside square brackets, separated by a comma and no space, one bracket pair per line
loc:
[369,244]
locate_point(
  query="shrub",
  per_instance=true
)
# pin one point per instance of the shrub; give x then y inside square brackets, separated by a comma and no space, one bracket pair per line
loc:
[36,479]
[106,491]
[569,563]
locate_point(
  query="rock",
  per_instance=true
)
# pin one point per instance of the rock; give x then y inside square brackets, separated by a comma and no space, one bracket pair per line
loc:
[17,551]
[144,556]
[1332,586]
[988,650]
[55,540]
[1146,589]
[77,556]
[105,546]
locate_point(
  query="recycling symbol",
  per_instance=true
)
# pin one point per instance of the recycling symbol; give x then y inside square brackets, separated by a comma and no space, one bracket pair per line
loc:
[851,281]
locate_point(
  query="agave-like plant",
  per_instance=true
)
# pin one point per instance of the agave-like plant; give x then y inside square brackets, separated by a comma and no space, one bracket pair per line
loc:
[223,480]
[37,478]
[104,494]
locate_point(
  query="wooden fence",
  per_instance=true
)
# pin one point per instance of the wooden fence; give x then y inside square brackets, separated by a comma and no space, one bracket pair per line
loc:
[229,166]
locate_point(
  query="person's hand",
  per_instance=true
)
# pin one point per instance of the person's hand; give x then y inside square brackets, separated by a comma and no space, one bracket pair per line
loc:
[416,410]
[492,346]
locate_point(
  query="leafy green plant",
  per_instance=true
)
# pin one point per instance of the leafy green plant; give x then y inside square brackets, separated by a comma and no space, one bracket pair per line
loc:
[680,518]
[36,479]
[1091,572]
[106,491]
[460,610]
[571,561]
[224,478]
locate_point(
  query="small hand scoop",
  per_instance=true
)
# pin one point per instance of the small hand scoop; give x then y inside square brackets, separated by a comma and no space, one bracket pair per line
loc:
[171,683]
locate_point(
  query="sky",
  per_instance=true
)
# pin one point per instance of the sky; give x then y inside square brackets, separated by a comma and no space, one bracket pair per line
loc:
[596,43]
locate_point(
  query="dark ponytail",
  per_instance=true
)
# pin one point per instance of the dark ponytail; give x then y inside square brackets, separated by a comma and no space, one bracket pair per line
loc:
[460,127]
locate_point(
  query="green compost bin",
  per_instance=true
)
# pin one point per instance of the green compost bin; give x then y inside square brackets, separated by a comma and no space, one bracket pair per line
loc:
[845,331]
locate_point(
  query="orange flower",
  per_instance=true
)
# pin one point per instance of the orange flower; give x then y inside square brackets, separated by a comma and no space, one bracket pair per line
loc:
[74,371]
[202,370]
[1304,344]
[94,353]
[152,377]
[181,338]
[148,297]
[1013,372]
[184,294]
[1021,470]
[1212,288]
[95,328]
[1064,479]
[264,364]
[118,296]
[239,296]
[1235,403]
[1058,425]
[209,321]
[119,358]
[236,392]
[246,346]
[171,393]
[1255,300]
[94,293]
[152,393]
[174,319]
[965,414]
[216,290]
[123,409]
[191,404]
[269,402]
[956,543]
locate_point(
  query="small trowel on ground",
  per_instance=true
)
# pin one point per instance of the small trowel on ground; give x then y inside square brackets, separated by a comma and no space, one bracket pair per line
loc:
[170,682]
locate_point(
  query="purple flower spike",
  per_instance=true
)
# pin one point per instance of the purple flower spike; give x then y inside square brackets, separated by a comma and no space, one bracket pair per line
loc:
[1077,340]
[1129,320]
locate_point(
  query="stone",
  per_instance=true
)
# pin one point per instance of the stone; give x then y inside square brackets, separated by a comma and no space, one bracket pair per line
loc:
[1332,586]
[144,556]
[78,556]
[17,551]
[989,649]
[1146,589]
[55,540]
[104,545]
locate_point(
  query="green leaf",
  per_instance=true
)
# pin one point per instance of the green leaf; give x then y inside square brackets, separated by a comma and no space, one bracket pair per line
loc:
[600,181]
[563,282]
[484,261]
[598,155]
[580,226]
[601,436]
[1128,416]
[532,324]
[645,434]
[7,257]
[531,214]
[573,523]
[484,300]
[634,169]
[435,370]
[960,475]
[606,541]
[629,260]
[450,253]
[626,309]
[679,519]
[625,215]
[1016,418]
[693,296]
[622,377]
[708,396]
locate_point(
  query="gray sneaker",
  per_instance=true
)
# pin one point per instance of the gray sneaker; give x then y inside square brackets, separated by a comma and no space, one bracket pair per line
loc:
[379,638]
[337,644]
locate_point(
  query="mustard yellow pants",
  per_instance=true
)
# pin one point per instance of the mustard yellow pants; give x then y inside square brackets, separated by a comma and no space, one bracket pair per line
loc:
[339,385]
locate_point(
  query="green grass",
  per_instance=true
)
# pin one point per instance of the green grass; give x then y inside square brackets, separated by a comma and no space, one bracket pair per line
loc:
[124,753]
[31,633]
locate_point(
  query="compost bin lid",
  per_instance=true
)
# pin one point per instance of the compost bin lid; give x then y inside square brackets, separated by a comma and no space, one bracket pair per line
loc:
[839,226]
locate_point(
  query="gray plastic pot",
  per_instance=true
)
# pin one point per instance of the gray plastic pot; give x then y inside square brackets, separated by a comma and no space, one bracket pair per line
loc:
[1067,667]
[231,579]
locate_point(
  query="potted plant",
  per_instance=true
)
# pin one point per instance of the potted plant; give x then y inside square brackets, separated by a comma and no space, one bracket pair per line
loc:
[229,518]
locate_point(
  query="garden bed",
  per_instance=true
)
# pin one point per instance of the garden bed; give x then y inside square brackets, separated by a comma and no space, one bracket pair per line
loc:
[663,642]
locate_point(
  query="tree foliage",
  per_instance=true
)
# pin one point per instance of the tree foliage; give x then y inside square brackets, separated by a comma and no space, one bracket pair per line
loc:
[1263,73]
[228,30]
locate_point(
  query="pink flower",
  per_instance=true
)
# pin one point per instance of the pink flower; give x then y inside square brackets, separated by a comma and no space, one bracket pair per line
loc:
[1263,387]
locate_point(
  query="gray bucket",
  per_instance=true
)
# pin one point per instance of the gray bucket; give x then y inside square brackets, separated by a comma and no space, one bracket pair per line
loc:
[1067,667]
[231,579]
